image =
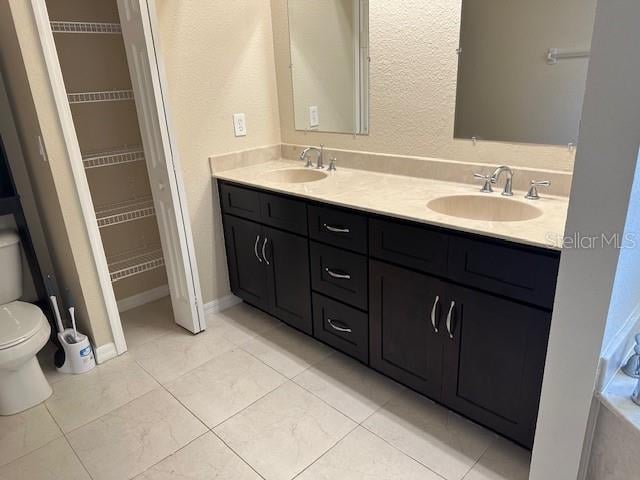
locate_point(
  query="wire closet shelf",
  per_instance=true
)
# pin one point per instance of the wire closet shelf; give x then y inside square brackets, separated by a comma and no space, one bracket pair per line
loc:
[113,157]
[123,212]
[85,27]
[134,262]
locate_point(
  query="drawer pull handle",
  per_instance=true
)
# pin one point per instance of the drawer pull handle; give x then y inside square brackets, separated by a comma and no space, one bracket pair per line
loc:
[334,325]
[433,314]
[264,255]
[341,276]
[255,248]
[336,229]
[449,315]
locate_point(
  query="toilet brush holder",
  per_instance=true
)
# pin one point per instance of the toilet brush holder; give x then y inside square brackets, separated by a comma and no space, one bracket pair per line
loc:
[78,354]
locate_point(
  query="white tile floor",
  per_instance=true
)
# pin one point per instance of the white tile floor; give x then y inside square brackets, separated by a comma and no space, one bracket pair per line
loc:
[248,399]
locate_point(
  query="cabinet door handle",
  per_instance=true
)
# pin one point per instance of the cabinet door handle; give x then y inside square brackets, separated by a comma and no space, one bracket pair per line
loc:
[433,313]
[255,248]
[264,246]
[334,325]
[336,229]
[341,276]
[449,315]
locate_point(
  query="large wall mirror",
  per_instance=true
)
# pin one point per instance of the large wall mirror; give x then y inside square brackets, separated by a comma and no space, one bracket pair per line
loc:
[329,42]
[522,69]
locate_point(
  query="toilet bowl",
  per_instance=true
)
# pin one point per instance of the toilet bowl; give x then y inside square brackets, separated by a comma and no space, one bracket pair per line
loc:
[24,330]
[22,383]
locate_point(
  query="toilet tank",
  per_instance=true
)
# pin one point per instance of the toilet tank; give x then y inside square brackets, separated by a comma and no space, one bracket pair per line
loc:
[10,267]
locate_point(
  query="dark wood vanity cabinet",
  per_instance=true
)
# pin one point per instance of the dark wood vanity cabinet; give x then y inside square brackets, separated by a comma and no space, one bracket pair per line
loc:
[494,355]
[460,318]
[269,269]
[404,325]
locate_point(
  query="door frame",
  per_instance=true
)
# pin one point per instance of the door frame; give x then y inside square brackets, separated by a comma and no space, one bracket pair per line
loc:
[72,146]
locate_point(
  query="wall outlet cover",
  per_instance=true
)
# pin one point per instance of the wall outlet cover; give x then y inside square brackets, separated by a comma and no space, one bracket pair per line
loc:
[314,117]
[240,124]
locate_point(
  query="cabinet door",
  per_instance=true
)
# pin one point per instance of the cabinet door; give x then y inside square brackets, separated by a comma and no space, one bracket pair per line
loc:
[404,343]
[495,351]
[247,272]
[287,258]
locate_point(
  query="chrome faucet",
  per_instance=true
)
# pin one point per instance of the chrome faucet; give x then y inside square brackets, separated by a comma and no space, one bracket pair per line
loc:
[305,155]
[635,396]
[508,185]
[632,367]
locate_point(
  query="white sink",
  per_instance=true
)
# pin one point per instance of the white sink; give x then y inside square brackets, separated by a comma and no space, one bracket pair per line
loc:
[294,175]
[488,208]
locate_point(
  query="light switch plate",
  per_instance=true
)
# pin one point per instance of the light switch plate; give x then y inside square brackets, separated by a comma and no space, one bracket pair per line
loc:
[240,124]
[314,118]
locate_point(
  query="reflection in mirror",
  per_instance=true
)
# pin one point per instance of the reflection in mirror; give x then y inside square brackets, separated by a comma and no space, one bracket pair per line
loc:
[522,69]
[330,65]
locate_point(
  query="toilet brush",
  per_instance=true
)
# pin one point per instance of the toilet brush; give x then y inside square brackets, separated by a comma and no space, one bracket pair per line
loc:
[72,313]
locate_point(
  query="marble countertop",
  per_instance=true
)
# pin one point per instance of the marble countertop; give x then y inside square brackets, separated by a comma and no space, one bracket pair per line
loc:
[407,197]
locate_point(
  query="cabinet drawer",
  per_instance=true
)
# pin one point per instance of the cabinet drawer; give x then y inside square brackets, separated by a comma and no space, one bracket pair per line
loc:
[510,271]
[420,248]
[338,227]
[284,213]
[342,327]
[339,274]
[239,201]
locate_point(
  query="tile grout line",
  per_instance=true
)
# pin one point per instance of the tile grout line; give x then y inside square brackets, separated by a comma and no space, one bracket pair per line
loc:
[328,450]
[113,409]
[291,380]
[493,440]
[208,429]
[236,453]
[64,435]
[173,453]
[404,453]
[32,451]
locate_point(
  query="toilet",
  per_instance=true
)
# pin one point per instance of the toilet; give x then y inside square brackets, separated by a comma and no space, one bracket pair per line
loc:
[24,330]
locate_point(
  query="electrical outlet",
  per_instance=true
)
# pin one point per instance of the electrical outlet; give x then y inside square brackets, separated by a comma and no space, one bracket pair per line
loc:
[314,118]
[240,124]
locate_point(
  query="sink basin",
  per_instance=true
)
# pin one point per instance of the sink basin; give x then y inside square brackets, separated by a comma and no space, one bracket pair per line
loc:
[294,175]
[492,209]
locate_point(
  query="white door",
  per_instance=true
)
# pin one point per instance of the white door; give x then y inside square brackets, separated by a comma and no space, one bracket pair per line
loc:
[169,196]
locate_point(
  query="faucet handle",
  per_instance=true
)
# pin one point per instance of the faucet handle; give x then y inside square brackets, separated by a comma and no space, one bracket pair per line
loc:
[332,164]
[486,188]
[632,367]
[533,190]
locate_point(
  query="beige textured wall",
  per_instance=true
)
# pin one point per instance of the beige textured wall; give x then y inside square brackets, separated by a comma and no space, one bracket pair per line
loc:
[218,58]
[413,89]
[32,103]
[323,58]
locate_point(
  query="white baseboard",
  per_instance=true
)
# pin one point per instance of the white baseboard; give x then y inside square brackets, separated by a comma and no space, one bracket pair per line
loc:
[105,352]
[142,298]
[221,304]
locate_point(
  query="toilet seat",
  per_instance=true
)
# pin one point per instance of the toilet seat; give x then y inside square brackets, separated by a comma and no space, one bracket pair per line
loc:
[19,321]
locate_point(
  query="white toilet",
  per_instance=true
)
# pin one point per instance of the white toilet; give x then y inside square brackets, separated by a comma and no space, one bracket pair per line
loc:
[24,330]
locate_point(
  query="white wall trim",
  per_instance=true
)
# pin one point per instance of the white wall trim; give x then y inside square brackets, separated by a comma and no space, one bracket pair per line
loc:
[41,17]
[105,352]
[143,298]
[221,304]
